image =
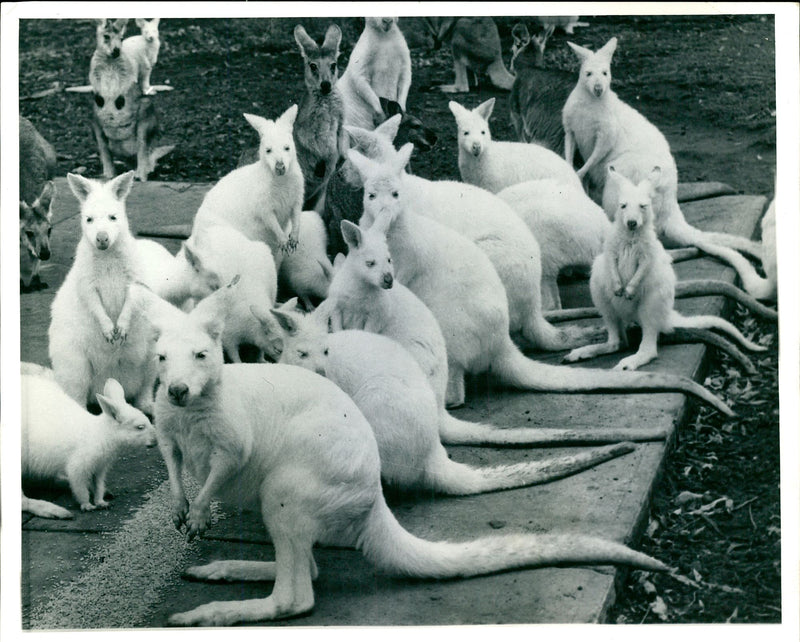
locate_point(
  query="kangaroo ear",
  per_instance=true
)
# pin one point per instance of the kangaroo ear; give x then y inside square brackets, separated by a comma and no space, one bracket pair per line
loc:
[304,41]
[113,390]
[286,322]
[155,21]
[389,127]
[520,34]
[109,406]
[290,305]
[403,156]
[121,185]
[582,52]
[287,118]
[192,257]
[101,22]
[81,187]
[457,109]
[363,165]
[256,122]
[120,24]
[484,110]
[608,49]
[338,261]
[655,175]
[140,22]
[333,36]
[383,222]
[46,196]
[352,234]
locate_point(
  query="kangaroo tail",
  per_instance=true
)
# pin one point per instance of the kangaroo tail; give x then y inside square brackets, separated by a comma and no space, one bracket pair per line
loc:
[456,432]
[710,322]
[390,547]
[514,369]
[711,287]
[500,76]
[695,335]
[42,508]
[571,314]
[454,478]
[739,243]
[542,334]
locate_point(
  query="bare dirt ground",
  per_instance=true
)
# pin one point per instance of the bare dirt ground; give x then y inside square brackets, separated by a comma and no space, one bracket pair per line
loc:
[707,82]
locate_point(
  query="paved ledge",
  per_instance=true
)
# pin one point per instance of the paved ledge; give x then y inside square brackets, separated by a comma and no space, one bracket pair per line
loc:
[72,569]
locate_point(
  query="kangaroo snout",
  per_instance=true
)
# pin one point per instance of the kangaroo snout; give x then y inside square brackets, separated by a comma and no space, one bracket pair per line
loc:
[178,394]
[102,241]
[476,149]
[387,23]
[388,281]
[280,168]
[115,52]
[632,225]
[598,89]
[325,87]
[44,253]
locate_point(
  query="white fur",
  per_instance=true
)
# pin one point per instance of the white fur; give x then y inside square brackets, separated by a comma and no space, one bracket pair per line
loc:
[290,443]
[607,132]
[307,271]
[143,52]
[262,200]
[95,332]
[379,67]
[459,285]
[495,165]
[569,226]
[633,281]
[217,255]
[391,390]
[497,230]
[61,440]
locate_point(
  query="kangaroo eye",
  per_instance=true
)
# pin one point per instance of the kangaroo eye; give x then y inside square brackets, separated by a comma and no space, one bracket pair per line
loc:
[286,148]
[333,67]
[302,354]
[49,230]
[112,217]
[99,100]
[371,196]
[89,219]
[622,206]
[201,355]
[162,358]
[483,132]
[370,263]
[466,133]
[605,73]
[395,194]
[119,103]
[588,73]
[140,427]
[312,66]
[326,352]
[389,260]
[268,150]
[30,235]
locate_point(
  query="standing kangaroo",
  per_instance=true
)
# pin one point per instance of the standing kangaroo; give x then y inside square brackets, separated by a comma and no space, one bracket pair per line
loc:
[318,133]
[607,131]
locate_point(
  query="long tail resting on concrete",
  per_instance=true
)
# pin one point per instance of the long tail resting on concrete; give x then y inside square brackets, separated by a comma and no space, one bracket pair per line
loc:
[683,290]
[387,545]
[514,369]
[454,431]
[700,335]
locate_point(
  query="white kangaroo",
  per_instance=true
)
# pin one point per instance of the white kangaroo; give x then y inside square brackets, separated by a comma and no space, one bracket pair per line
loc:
[497,230]
[495,165]
[364,295]
[388,386]
[95,332]
[379,67]
[290,443]
[633,281]
[607,131]
[62,440]
[459,285]
[143,52]
[262,200]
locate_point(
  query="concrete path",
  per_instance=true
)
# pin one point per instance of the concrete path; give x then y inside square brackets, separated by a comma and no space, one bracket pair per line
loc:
[131,557]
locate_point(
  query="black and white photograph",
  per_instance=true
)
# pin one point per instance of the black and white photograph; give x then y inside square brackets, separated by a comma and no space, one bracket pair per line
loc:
[331,322]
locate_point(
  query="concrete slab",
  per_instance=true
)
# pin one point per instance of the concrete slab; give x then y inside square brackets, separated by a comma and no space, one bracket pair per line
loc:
[131,556]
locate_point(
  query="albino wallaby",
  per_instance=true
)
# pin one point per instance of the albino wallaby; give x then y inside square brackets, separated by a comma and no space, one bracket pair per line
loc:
[607,132]
[307,272]
[95,332]
[291,444]
[219,254]
[495,165]
[262,200]
[442,267]
[379,66]
[475,44]
[142,50]
[568,225]
[497,230]
[633,281]
[61,440]
[318,133]
[538,94]
[388,386]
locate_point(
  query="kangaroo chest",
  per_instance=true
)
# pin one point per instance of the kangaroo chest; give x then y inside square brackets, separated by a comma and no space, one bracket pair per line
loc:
[318,122]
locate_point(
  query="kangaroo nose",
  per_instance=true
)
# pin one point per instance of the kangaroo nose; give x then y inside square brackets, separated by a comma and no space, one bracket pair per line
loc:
[101,240]
[280,168]
[178,393]
[44,253]
[325,87]
[388,280]
[598,90]
[632,225]
[115,52]
[476,148]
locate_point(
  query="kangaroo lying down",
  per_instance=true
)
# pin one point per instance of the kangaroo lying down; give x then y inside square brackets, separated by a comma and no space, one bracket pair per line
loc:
[291,443]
